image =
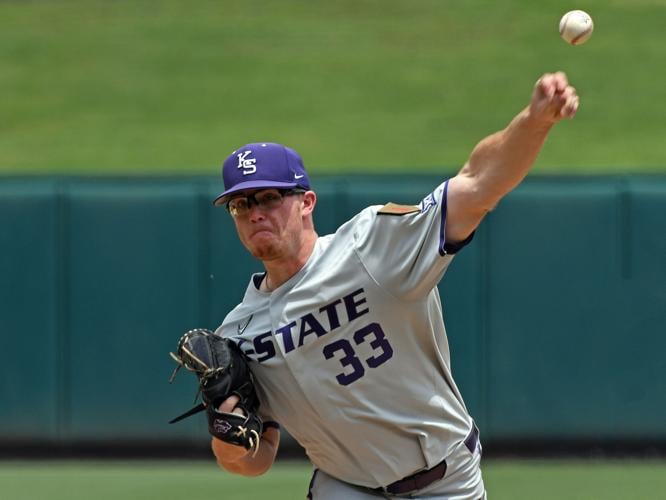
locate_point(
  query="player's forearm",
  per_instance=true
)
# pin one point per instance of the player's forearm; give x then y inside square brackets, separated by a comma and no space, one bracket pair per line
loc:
[239,461]
[501,161]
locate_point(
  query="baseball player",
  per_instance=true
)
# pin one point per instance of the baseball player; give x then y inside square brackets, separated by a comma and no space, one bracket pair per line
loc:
[344,332]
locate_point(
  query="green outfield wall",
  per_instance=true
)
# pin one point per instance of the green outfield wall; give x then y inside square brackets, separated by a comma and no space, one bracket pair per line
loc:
[556,312]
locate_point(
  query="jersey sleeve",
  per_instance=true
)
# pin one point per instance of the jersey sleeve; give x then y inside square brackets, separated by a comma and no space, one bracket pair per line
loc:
[404,249]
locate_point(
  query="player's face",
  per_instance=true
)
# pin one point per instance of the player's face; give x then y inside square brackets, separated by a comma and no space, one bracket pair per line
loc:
[269,222]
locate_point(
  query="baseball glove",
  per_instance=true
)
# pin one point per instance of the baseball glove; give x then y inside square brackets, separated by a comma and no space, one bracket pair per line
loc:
[222,371]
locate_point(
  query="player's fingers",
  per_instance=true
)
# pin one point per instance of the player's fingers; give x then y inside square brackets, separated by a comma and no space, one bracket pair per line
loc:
[229,404]
[554,98]
[568,95]
[560,81]
[562,98]
[570,107]
[544,86]
[552,84]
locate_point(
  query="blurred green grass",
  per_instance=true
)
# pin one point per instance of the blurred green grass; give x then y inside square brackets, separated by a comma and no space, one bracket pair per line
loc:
[172,86]
[505,480]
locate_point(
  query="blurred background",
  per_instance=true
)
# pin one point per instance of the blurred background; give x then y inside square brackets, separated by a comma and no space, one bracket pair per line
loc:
[116,117]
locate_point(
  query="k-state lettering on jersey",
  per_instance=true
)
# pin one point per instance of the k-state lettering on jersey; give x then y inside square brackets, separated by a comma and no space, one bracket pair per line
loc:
[350,355]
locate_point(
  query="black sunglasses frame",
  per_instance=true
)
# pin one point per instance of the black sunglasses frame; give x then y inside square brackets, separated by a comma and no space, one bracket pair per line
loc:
[252,200]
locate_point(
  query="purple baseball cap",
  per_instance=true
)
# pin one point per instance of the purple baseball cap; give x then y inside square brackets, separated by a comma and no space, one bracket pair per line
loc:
[262,165]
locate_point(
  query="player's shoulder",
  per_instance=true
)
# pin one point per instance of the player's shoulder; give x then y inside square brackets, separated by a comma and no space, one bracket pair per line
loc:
[389,213]
[358,223]
[361,222]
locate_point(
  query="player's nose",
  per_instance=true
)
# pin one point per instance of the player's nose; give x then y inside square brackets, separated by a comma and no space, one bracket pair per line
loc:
[255,213]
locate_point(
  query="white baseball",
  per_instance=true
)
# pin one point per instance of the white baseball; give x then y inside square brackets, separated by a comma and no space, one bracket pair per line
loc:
[576,27]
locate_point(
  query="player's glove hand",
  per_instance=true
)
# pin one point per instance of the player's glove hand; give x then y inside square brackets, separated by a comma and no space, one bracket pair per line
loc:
[222,371]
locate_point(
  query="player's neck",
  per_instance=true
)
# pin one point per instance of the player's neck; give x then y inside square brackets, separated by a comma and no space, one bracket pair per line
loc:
[279,271]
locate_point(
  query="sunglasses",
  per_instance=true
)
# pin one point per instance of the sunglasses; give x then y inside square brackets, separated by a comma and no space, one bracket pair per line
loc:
[266,199]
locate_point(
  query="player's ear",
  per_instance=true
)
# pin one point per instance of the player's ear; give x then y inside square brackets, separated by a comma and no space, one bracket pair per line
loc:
[308,202]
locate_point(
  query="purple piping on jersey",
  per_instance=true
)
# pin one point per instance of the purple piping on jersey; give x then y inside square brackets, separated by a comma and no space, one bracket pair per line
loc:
[442,222]
[444,247]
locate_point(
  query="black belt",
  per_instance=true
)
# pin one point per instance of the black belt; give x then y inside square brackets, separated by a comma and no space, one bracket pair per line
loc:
[426,477]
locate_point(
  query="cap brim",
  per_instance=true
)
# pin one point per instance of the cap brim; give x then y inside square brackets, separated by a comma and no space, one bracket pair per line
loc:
[244,186]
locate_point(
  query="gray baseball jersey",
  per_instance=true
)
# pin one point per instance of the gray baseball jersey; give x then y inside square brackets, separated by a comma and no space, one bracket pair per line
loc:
[350,355]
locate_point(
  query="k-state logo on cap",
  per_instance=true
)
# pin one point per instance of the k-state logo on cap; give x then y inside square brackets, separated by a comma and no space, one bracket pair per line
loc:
[249,165]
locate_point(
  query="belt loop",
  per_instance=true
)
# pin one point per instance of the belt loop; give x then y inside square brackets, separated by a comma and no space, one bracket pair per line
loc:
[472,439]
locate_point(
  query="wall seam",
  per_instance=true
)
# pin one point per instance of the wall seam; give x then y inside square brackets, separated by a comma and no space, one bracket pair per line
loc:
[62,288]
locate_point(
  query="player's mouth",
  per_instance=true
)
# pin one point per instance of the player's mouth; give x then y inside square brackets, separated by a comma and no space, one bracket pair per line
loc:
[260,231]
[259,236]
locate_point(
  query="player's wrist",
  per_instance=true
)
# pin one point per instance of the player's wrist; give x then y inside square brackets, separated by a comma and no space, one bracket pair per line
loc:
[228,453]
[536,119]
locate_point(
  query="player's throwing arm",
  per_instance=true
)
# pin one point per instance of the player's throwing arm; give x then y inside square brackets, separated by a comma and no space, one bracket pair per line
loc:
[501,161]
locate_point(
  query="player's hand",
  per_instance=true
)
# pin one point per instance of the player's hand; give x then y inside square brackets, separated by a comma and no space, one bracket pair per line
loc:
[553,99]
[229,406]
[231,452]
